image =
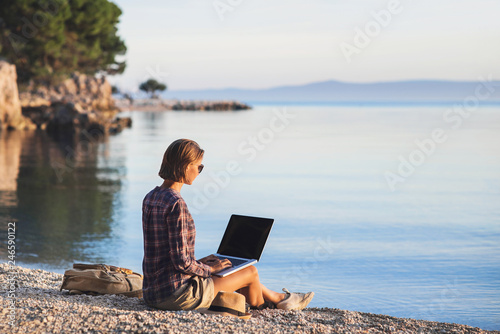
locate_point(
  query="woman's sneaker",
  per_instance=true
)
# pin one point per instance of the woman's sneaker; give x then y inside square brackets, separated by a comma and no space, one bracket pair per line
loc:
[265,305]
[295,300]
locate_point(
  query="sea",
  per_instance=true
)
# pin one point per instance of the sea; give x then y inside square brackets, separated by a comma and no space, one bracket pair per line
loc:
[382,208]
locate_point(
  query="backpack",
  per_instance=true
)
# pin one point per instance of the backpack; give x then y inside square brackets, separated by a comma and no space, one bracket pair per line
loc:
[100,279]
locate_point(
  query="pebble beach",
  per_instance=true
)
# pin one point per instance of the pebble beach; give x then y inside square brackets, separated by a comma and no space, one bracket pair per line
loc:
[32,303]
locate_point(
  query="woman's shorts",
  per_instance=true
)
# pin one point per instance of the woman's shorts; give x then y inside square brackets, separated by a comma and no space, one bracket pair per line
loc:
[197,293]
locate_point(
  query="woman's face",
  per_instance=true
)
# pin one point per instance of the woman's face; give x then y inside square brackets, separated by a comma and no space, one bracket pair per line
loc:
[192,171]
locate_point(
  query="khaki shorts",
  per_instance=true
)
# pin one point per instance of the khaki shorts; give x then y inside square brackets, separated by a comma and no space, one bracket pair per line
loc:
[197,293]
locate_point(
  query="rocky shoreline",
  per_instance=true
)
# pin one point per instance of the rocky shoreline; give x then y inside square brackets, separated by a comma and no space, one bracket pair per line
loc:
[81,103]
[39,306]
[184,105]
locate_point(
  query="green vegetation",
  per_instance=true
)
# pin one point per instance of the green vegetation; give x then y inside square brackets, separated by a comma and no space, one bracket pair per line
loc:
[151,86]
[49,39]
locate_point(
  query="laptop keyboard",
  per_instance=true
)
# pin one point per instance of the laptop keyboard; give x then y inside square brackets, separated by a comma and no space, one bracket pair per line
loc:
[234,262]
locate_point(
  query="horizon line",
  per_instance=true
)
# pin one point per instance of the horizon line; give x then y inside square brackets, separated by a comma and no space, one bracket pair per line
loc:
[333,80]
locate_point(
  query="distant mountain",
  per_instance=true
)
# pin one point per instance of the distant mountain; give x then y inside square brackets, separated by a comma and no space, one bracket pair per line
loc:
[335,91]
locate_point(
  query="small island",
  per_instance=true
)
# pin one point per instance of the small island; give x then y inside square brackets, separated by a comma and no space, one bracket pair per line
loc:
[155,103]
[187,105]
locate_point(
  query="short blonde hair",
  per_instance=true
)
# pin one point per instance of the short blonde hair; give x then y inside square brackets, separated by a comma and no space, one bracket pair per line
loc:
[177,157]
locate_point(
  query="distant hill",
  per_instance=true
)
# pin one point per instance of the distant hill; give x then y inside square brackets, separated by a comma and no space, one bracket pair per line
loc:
[335,91]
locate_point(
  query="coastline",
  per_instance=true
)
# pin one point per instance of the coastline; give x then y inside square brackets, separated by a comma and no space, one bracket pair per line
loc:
[41,307]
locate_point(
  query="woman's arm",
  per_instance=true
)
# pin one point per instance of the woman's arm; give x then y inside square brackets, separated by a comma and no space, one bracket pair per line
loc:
[181,239]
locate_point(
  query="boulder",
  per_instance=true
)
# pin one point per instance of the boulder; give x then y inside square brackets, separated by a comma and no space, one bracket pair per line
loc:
[10,106]
[79,102]
[119,124]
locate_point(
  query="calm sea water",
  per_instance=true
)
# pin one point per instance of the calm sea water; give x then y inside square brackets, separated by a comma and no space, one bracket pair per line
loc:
[424,244]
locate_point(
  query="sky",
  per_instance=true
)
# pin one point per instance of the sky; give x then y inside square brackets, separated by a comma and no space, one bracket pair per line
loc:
[256,44]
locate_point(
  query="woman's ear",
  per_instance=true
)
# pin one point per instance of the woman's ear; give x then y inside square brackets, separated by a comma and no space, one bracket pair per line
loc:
[184,179]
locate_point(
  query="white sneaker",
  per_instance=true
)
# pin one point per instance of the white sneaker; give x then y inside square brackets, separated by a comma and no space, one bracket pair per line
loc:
[295,300]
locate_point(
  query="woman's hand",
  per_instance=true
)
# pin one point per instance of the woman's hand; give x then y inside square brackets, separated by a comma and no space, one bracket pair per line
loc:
[215,263]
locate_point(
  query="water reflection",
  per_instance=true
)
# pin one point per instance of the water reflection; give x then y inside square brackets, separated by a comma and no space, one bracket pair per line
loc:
[63,195]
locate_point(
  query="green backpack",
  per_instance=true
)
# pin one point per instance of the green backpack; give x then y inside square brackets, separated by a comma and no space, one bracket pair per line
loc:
[100,279]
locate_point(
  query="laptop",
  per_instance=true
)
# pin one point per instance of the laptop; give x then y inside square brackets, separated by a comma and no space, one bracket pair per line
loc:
[243,242]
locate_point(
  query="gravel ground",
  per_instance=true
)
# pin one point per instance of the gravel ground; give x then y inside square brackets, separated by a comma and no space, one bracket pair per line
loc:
[41,308]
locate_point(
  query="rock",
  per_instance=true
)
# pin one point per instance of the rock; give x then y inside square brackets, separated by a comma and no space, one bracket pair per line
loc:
[119,124]
[69,87]
[10,105]
[64,117]
[80,102]
[21,123]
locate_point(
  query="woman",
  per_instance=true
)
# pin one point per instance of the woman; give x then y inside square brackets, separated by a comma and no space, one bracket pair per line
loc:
[173,278]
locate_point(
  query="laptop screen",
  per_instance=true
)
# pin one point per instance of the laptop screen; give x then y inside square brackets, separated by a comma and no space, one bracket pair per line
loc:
[245,237]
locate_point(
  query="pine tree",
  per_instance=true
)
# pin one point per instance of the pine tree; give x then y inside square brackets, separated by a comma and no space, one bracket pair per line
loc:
[49,39]
[151,86]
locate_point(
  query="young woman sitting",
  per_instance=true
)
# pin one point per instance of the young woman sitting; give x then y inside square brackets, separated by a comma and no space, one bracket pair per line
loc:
[173,278]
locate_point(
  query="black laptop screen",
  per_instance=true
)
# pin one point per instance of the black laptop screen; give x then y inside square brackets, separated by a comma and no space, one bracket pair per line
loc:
[245,237]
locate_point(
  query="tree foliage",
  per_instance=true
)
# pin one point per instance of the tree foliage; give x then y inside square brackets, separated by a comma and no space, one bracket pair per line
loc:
[151,86]
[49,39]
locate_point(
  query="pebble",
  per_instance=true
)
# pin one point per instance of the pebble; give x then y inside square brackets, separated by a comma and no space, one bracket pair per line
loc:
[42,308]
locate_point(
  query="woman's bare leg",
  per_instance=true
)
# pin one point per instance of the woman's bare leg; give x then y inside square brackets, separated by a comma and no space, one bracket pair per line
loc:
[243,291]
[272,296]
[268,294]
[246,278]
[247,281]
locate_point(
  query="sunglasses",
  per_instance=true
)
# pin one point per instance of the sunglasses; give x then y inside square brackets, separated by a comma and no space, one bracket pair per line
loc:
[200,168]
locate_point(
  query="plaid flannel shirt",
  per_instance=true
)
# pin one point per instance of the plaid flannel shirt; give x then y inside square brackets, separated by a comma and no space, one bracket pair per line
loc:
[169,238]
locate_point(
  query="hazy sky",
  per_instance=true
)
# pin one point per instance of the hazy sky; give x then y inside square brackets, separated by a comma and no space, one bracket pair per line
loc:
[193,44]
